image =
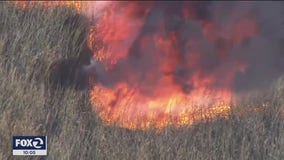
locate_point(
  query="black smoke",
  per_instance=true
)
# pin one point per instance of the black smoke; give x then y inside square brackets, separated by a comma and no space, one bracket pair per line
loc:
[264,52]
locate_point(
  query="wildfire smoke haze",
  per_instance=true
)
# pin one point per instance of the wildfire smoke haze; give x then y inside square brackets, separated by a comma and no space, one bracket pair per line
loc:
[171,63]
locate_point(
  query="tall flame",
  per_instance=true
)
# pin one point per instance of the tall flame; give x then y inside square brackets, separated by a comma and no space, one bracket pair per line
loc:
[158,78]
[166,63]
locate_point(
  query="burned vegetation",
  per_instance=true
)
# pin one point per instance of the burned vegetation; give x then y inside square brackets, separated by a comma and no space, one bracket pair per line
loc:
[75,72]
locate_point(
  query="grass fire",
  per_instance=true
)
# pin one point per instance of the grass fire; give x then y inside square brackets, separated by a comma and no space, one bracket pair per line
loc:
[143,80]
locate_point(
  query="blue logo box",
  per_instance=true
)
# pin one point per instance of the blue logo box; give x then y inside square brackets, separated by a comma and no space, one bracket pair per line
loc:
[29,143]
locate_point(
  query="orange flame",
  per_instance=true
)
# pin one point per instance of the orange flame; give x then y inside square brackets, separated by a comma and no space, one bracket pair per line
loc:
[127,106]
[130,105]
[76,4]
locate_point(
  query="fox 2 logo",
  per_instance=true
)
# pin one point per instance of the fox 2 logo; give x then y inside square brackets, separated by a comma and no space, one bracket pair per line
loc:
[29,142]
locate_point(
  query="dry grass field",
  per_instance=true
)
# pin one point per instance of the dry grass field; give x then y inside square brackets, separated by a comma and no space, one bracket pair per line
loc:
[32,39]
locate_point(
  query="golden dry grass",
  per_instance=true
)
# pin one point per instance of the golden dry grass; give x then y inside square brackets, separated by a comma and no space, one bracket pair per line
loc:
[30,40]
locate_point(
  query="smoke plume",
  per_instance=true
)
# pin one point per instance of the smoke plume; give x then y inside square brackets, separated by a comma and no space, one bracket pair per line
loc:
[237,44]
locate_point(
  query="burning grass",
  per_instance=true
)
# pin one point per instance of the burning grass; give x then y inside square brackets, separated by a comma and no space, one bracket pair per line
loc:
[32,39]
